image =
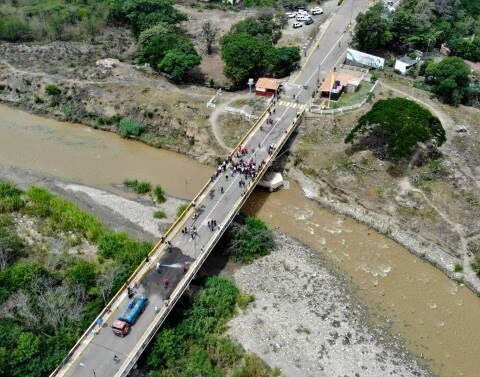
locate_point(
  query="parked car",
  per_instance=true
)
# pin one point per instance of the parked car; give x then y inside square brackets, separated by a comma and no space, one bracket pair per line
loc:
[290,14]
[297,24]
[308,21]
[302,17]
[317,10]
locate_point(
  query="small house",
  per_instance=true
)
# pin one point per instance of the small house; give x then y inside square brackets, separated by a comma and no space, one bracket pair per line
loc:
[404,63]
[266,87]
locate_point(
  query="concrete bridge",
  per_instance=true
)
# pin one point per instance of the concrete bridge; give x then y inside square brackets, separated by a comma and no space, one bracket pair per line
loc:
[99,352]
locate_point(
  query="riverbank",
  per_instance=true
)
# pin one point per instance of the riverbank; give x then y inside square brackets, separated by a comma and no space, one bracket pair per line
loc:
[342,335]
[386,226]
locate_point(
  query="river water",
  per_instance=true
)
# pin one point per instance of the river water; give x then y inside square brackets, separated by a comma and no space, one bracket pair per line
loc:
[438,319]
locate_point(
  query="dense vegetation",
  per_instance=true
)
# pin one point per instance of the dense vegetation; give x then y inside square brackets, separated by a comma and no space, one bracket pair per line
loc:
[393,127]
[421,24]
[450,80]
[162,45]
[193,345]
[251,239]
[249,51]
[49,297]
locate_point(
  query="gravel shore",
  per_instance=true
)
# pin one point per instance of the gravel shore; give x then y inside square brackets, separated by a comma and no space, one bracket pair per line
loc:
[306,322]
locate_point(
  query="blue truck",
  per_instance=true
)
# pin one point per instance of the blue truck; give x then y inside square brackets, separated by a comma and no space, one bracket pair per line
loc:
[135,307]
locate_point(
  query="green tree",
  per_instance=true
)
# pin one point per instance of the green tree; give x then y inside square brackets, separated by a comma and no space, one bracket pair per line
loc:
[167,349]
[394,126]
[372,30]
[178,61]
[450,79]
[28,346]
[246,56]
[167,51]
[142,14]
[286,60]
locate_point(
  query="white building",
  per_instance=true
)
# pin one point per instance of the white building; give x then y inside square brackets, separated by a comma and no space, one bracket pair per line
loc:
[404,63]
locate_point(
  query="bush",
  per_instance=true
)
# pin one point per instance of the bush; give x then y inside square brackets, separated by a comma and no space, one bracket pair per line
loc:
[11,246]
[10,197]
[13,29]
[181,208]
[138,186]
[458,268]
[160,194]
[159,214]
[130,127]
[121,248]
[476,266]
[52,90]
[82,273]
[252,240]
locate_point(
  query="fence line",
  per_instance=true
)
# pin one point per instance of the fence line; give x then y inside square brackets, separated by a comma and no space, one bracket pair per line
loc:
[316,110]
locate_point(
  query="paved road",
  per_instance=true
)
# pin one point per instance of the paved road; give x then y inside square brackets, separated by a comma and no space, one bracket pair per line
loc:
[180,261]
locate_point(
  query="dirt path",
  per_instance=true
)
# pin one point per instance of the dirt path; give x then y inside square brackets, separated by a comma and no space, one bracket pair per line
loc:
[221,109]
[445,119]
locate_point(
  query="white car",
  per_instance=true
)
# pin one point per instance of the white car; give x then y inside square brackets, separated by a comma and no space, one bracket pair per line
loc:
[317,10]
[302,17]
[297,24]
[290,14]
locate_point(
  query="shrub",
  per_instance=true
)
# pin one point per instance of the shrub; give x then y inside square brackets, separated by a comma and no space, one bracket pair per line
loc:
[13,29]
[83,273]
[120,247]
[160,194]
[130,127]
[251,240]
[10,197]
[52,90]
[159,214]
[138,186]
[62,214]
[476,266]
[181,208]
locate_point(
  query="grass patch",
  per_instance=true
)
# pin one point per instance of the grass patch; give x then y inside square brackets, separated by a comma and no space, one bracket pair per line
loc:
[181,208]
[10,197]
[62,215]
[130,127]
[159,214]
[349,99]
[52,90]
[160,194]
[458,268]
[138,186]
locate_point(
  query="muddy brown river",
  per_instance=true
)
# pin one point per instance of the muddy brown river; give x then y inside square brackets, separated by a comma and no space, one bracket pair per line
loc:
[438,319]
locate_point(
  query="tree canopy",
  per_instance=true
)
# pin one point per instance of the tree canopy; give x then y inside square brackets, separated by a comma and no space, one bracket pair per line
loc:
[450,78]
[394,126]
[372,30]
[248,52]
[167,51]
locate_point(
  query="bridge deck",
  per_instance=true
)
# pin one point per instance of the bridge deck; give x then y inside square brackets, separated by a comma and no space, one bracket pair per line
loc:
[94,354]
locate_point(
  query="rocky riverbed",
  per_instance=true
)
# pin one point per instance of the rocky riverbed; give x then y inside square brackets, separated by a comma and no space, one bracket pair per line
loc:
[306,321]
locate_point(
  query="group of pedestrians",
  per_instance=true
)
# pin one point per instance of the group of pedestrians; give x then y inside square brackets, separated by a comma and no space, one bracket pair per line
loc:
[212,225]
[191,231]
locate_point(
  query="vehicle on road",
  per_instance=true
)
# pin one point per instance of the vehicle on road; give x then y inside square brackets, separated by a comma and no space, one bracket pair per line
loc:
[308,21]
[316,10]
[297,24]
[121,326]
